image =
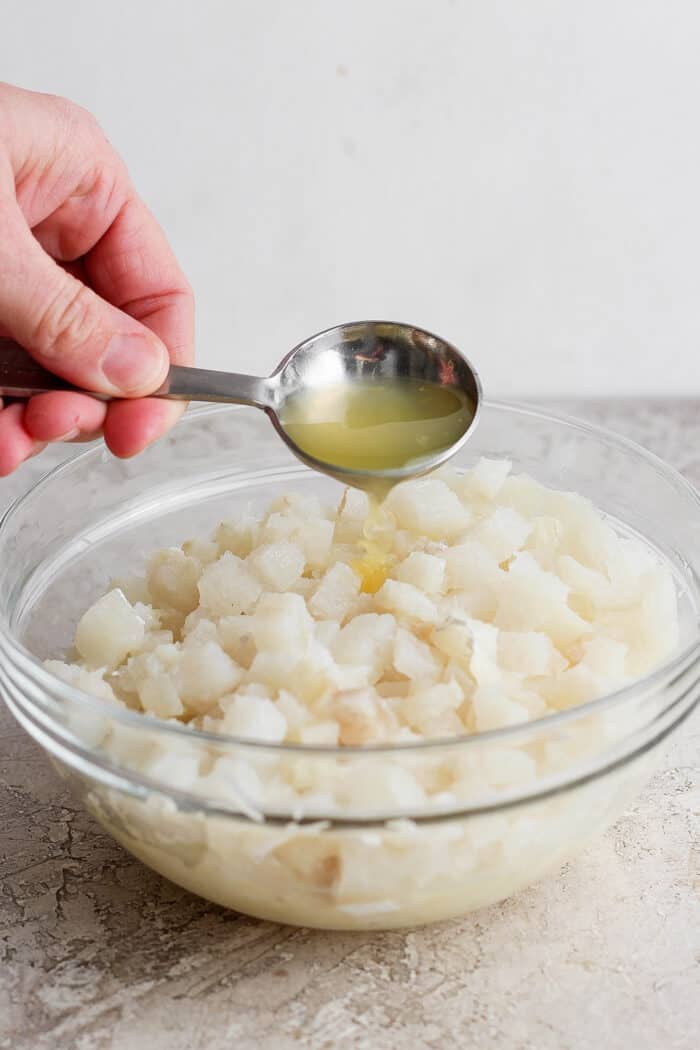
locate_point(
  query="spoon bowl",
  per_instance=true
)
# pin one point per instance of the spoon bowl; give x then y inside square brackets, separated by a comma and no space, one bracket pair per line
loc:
[369,357]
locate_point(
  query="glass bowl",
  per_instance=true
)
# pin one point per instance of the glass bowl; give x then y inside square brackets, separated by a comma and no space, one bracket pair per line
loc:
[381,861]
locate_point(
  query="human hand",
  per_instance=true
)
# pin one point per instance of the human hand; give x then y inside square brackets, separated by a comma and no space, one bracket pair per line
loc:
[88,283]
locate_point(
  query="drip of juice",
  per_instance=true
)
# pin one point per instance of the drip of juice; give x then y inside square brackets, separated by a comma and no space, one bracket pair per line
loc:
[375,564]
[376,424]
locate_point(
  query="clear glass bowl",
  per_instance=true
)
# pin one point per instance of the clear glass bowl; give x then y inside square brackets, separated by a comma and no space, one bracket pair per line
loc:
[552,784]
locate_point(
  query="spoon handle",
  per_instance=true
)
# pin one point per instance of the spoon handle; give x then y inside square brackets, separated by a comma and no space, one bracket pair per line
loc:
[202,384]
[21,377]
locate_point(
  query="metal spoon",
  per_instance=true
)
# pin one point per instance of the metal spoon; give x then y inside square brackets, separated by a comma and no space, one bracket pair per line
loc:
[348,353]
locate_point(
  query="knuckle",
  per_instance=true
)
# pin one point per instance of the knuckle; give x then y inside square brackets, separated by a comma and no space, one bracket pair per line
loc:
[4,122]
[76,122]
[67,322]
[70,112]
[65,112]
[186,290]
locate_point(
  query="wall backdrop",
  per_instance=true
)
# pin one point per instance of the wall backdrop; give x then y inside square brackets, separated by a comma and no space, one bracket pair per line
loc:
[521,177]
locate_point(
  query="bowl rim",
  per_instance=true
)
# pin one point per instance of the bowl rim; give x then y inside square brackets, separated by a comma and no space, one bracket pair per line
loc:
[51,684]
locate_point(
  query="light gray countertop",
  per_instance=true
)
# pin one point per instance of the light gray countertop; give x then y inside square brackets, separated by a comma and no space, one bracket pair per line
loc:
[98,953]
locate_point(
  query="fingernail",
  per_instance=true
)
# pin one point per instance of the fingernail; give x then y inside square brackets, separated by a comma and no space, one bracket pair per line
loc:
[69,435]
[134,363]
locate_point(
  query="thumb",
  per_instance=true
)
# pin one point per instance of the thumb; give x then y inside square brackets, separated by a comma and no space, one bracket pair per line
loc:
[66,326]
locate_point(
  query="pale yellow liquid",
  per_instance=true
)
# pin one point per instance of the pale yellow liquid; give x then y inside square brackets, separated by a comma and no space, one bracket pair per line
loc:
[376,424]
[377,558]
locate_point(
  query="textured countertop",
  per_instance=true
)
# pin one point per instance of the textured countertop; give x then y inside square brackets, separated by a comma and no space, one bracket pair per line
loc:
[98,953]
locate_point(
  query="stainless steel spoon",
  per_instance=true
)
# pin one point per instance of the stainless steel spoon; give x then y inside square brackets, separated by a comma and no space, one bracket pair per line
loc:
[348,353]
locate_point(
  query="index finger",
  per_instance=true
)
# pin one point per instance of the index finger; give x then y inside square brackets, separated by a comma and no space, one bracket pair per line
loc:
[133,267]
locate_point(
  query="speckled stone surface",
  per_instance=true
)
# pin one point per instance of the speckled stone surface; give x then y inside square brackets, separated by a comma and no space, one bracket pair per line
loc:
[99,954]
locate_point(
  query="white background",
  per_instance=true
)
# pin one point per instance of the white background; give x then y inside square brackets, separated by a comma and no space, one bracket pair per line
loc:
[521,176]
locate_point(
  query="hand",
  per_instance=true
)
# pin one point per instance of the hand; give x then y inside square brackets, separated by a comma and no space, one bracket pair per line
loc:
[88,283]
